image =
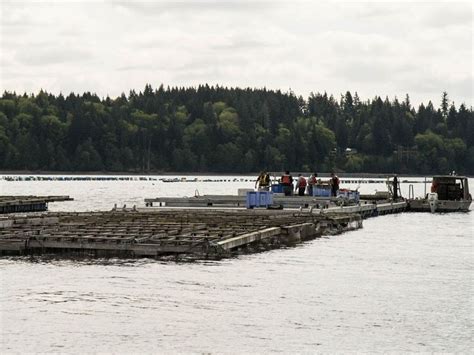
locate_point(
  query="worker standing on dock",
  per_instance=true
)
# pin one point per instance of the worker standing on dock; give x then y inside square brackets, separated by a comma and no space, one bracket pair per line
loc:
[287,183]
[300,185]
[312,181]
[334,184]
[395,187]
[263,181]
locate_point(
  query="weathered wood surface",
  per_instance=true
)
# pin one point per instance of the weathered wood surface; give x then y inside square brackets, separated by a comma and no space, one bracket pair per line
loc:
[15,204]
[236,201]
[199,232]
[391,207]
[369,209]
[315,204]
[8,200]
[248,238]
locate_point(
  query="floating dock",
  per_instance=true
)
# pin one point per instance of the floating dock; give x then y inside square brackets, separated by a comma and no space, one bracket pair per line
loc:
[15,204]
[198,227]
[365,208]
[196,233]
[235,201]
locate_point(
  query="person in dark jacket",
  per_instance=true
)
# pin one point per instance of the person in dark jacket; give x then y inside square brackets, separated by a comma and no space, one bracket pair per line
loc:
[395,187]
[334,184]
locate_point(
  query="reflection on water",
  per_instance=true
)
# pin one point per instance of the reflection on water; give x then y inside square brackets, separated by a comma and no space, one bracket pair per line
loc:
[402,283]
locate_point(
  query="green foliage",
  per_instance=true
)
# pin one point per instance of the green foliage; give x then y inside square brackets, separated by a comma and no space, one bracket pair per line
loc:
[355,163]
[215,129]
[228,123]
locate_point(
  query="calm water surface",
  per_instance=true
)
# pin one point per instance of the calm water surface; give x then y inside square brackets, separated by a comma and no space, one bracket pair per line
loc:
[402,283]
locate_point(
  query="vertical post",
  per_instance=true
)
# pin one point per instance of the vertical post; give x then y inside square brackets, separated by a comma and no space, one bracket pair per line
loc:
[425,187]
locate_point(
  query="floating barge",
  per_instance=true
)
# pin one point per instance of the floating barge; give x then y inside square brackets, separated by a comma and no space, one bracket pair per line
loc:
[199,228]
[15,204]
[197,233]
[326,205]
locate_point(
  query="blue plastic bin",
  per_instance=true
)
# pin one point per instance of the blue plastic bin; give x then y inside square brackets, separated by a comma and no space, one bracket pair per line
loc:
[321,192]
[349,195]
[259,199]
[251,200]
[265,198]
[355,195]
[277,188]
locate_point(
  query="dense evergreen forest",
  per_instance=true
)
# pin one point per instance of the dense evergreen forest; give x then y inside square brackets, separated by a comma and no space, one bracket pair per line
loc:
[217,129]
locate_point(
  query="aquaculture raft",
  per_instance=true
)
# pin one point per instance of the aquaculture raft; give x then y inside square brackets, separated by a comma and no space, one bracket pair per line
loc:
[208,233]
[14,204]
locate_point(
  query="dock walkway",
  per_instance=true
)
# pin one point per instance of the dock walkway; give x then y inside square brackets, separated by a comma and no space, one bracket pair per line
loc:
[326,205]
[233,201]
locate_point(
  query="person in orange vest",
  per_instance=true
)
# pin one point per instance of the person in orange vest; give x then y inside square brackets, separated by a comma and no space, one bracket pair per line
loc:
[287,183]
[300,185]
[312,181]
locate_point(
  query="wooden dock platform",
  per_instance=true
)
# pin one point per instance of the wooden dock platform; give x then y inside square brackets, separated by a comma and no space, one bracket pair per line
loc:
[15,204]
[196,233]
[222,228]
[235,201]
[372,209]
[365,208]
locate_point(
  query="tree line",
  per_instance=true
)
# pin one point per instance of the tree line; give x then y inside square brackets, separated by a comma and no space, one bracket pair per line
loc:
[219,129]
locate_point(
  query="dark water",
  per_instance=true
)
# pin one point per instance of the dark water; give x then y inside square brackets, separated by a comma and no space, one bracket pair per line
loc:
[404,283]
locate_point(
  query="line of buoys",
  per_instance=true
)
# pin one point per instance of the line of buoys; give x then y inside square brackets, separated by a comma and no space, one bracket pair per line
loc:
[76,178]
[118,178]
[164,179]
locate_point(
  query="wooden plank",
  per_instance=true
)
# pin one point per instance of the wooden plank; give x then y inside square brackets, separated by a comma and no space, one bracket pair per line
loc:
[248,238]
[12,245]
[391,206]
[7,223]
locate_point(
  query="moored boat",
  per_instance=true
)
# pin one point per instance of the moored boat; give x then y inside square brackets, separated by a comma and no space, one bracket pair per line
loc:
[449,193]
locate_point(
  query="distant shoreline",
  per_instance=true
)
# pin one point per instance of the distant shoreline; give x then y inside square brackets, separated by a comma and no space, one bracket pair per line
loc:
[108,173]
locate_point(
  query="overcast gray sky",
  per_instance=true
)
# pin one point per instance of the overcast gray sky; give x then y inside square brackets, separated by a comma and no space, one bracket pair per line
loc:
[109,47]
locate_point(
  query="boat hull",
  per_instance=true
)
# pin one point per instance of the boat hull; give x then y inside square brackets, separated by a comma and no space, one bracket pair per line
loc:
[425,205]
